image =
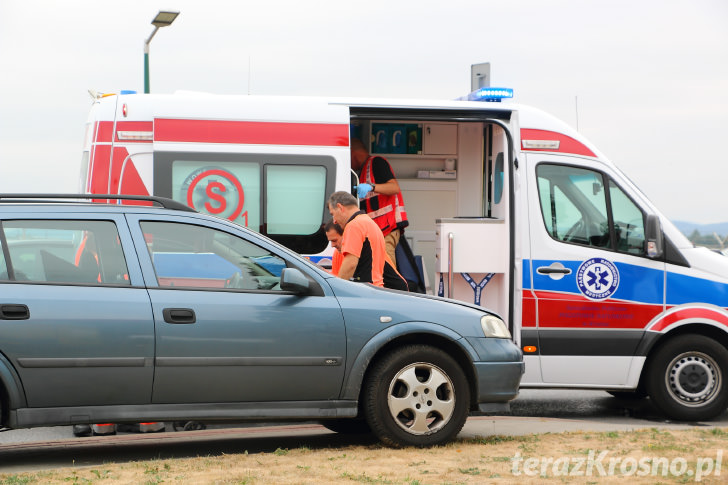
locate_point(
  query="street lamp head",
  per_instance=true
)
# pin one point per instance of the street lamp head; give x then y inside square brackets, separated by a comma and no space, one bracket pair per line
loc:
[164,18]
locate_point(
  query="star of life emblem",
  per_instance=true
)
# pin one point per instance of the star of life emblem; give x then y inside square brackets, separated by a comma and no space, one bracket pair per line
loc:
[597,278]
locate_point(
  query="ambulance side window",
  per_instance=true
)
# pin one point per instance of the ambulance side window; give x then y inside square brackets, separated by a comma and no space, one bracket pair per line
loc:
[629,222]
[574,206]
[577,209]
[279,195]
[294,197]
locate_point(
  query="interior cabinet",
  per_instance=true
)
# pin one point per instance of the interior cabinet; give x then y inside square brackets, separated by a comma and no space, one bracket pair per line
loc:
[401,138]
[414,150]
[440,139]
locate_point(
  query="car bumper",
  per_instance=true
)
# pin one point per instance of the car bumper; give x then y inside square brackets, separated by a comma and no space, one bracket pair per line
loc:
[498,373]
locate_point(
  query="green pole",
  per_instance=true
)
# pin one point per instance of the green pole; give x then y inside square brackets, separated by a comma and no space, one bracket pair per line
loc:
[146,71]
[146,59]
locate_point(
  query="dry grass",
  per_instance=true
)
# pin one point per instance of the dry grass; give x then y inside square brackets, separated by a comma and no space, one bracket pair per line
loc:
[476,461]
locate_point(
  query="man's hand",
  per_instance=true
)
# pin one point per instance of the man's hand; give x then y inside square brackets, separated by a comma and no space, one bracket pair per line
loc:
[363,189]
[348,266]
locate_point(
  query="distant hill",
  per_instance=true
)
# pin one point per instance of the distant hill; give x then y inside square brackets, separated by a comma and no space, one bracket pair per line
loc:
[687,228]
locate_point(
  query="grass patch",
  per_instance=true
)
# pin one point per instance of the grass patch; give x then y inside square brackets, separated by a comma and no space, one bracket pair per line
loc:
[479,460]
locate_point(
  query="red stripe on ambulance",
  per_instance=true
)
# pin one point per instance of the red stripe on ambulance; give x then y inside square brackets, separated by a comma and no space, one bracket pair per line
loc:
[574,311]
[566,143]
[251,132]
[690,315]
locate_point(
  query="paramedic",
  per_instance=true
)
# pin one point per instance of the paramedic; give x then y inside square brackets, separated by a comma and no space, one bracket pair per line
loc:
[362,246]
[380,194]
[333,234]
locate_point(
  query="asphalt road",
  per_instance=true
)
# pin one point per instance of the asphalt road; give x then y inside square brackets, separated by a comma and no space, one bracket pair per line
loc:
[535,411]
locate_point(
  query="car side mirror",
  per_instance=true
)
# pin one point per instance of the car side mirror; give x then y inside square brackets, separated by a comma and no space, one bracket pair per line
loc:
[653,237]
[293,280]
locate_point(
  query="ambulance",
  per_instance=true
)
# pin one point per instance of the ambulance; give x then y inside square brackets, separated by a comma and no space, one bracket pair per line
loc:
[510,208]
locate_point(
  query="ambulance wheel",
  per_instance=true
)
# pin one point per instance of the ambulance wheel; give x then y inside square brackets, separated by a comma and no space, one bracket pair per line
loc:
[416,396]
[688,378]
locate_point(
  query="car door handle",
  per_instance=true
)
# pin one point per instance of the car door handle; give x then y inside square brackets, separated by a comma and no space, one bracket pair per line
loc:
[179,315]
[14,312]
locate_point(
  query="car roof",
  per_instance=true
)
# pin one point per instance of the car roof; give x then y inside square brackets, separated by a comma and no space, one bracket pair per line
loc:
[84,203]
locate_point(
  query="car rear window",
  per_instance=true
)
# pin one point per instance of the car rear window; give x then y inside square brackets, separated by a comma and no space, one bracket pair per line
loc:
[64,251]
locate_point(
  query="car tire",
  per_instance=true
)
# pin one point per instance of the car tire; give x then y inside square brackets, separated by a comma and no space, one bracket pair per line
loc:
[416,396]
[347,426]
[81,430]
[688,378]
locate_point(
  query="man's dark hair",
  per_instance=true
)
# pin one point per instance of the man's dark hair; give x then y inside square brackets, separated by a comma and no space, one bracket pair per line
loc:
[343,198]
[332,226]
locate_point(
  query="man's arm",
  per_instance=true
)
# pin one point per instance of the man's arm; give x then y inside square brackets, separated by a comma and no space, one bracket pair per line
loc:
[384,181]
[348,266]
[390,187]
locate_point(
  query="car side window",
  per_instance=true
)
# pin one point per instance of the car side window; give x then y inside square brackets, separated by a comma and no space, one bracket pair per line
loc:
[191,256]
[3,267]
[65,251]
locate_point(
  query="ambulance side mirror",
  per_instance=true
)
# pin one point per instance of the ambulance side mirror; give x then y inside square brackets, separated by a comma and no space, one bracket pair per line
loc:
[653,236]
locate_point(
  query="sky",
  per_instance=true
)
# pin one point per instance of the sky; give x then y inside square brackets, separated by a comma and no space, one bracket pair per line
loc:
[645,81]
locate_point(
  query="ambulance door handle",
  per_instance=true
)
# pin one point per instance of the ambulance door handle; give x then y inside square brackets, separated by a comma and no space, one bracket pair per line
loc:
[555,270]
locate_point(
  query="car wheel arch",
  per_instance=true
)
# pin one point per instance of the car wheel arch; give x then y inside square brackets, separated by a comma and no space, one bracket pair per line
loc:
[649,346]
[695,328]
[12,395]
[406,334]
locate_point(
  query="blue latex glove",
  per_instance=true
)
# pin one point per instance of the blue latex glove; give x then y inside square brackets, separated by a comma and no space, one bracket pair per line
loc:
[363,189]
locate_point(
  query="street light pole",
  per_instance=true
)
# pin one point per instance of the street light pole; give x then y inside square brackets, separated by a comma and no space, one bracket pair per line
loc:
[163,19]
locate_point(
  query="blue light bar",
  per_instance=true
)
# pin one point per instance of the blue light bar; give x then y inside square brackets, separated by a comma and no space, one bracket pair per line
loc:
[488,94]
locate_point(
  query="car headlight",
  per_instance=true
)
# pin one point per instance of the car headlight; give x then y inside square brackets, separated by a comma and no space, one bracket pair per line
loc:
[494,327]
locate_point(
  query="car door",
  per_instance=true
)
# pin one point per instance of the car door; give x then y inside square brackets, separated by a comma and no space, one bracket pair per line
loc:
[595,287]
[75,318]
[225,331]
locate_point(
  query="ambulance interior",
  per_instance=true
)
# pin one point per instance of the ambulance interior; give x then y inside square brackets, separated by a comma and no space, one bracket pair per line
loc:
[453,176]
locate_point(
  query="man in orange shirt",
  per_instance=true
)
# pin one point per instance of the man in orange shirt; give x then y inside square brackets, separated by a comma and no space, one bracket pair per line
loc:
[362,244]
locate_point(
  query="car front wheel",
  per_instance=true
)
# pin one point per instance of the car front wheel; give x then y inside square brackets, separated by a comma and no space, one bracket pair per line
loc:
[688,378]
[416,396]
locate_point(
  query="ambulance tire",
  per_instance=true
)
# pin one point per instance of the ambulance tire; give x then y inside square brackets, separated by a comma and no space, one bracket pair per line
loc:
[687,378]
[416,395]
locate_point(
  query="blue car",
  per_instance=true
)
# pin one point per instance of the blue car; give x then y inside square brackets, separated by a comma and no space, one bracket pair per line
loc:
[127,313]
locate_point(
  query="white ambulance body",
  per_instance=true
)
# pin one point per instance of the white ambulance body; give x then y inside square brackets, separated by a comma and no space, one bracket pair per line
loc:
[510,208]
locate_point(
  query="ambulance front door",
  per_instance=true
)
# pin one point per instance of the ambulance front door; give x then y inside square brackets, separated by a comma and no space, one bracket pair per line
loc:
[595,289]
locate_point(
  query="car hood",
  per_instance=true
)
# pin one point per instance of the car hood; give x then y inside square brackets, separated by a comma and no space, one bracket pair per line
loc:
[365,302]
